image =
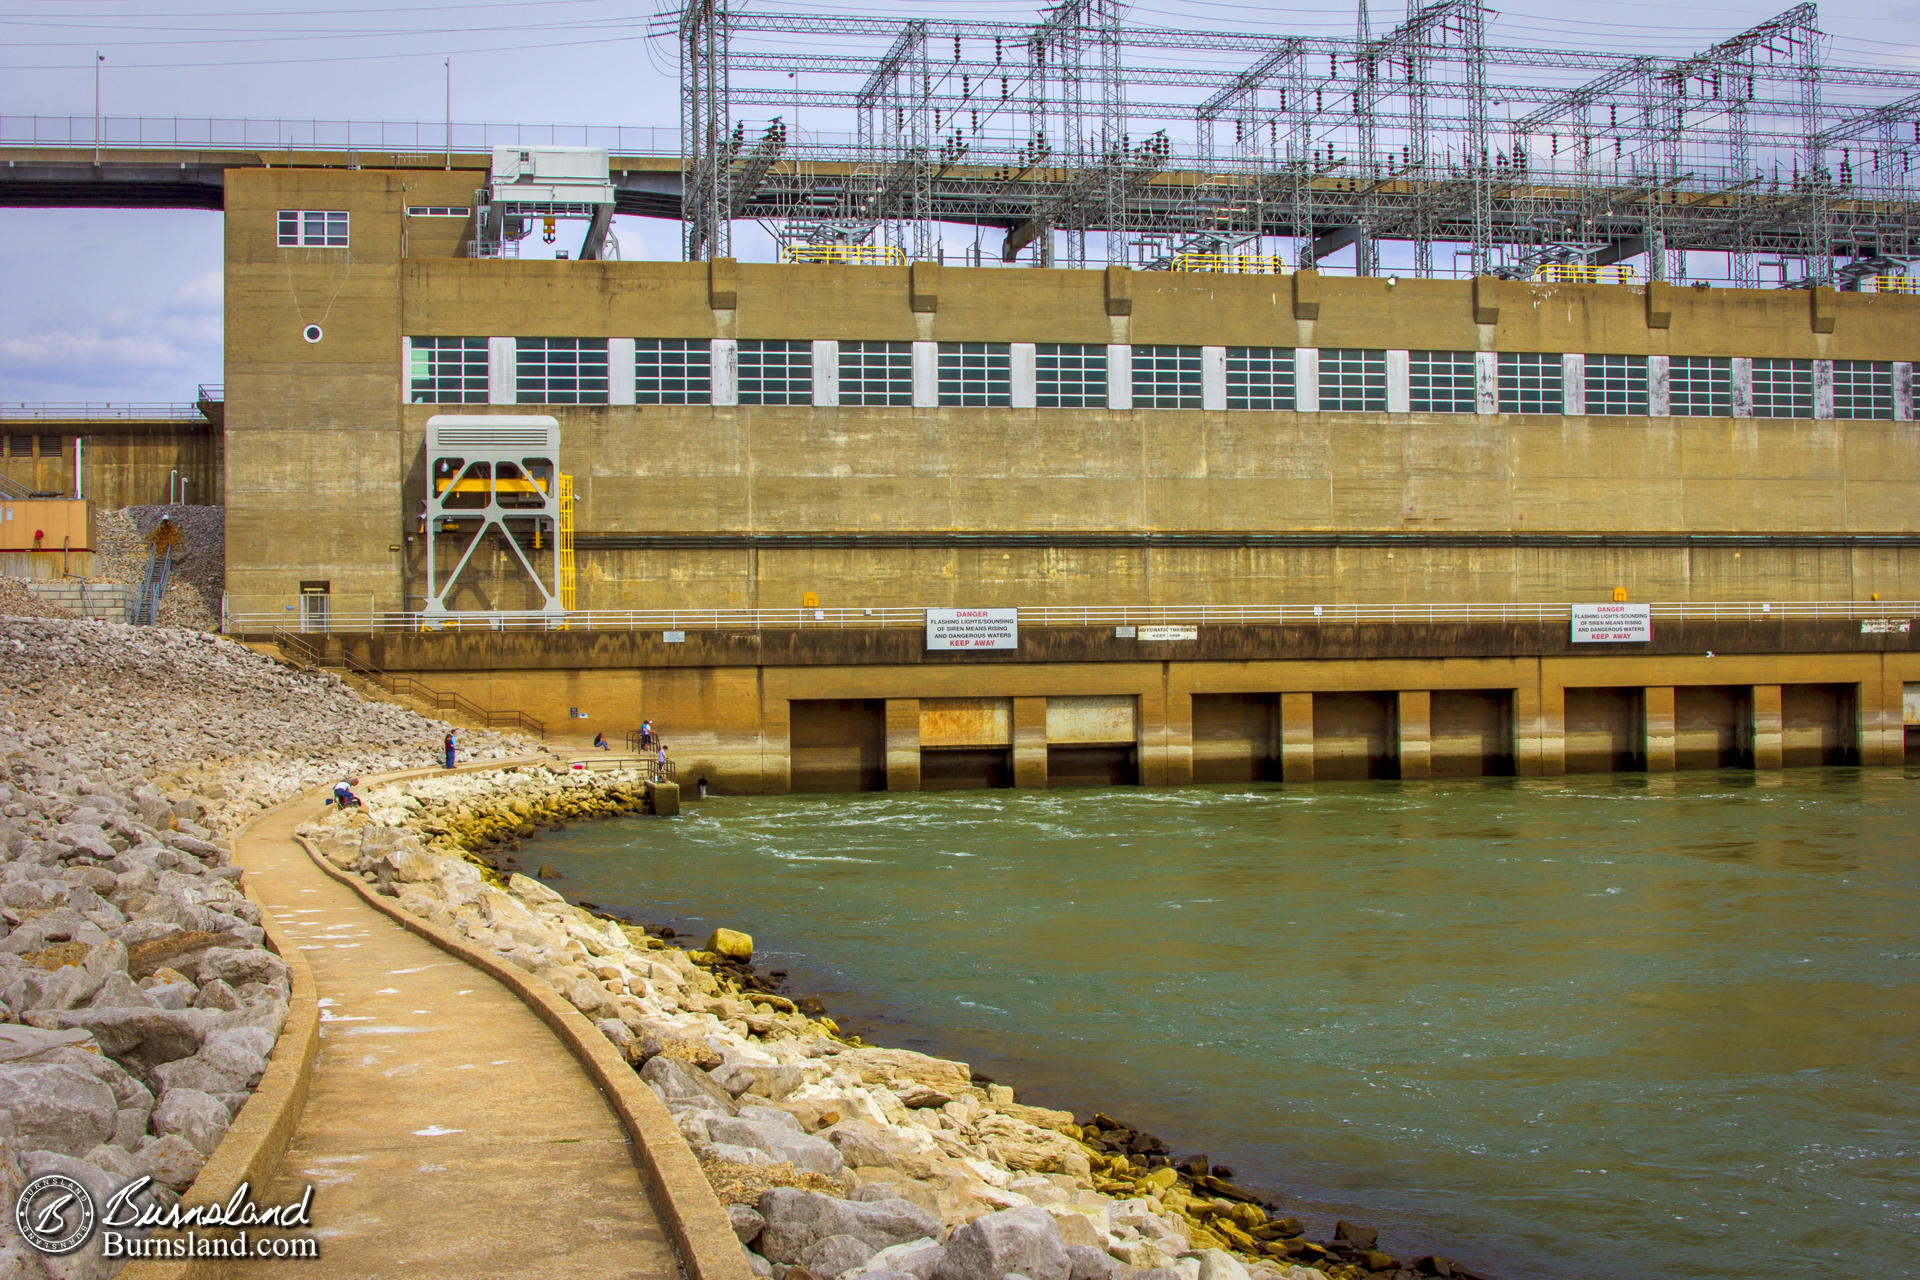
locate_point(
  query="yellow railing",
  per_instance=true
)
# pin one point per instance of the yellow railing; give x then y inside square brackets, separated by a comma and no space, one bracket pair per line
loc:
[1581,273]
[568,582]
[848,255]
[1895,284]
[1250,264]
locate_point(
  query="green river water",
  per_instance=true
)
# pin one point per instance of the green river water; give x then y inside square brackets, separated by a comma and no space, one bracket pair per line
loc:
[1611,1026]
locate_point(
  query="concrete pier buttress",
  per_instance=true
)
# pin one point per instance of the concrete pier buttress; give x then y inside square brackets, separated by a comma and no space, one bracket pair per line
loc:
[1029,742]
[903,744]
[1766,726]
[1659,728]
[1296,737]
[1415,717]
[434,1091]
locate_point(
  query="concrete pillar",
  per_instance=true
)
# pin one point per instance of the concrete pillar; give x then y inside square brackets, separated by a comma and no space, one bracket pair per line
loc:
[1486,382]
[1740,376]
[1296,737]
[926,375]
[1399,382]
[826,374]
[1903,390]
[1879,714]
[1030,742]
[1657,740]
[726,371]
[1119,376]
[1024,375]
[1416,733]
[1540,731]
[1823,389]
[1213,377]
[1573,378]
[1766,726]
[1176,738]
[619,370]
[1306,380]
[1659,386]
[776,745]
[903,744]
[502,370]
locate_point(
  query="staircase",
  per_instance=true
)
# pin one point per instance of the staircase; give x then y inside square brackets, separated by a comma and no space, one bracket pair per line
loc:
[153,589]
[300,649]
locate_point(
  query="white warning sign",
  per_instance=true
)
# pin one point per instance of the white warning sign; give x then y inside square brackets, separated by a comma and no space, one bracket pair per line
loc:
[1612,623]
[973,628]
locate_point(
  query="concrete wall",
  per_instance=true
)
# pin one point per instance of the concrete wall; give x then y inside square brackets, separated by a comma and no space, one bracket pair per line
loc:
[123,463]
[834,722]
[713,507]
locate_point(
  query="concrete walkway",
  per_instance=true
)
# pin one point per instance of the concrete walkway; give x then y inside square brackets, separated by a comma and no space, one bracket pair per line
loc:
[447,1131]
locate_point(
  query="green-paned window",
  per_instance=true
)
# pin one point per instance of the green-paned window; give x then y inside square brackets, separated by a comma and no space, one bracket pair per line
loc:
[776,371]
[976,374]
[1782,388]
[1700,387]
[560,371]
[1260,378]
[1617,385]
[1863,389]
[672,371]
[447,371]
[1353,380]
[1070,375]
[1532,382]
[1166,377]
[1441,382]
[876,373]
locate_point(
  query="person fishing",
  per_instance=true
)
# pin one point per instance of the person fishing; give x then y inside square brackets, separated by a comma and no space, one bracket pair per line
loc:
[343,794]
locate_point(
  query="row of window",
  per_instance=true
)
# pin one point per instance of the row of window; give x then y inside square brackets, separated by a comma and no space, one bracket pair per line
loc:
[1074,375]
[312,229]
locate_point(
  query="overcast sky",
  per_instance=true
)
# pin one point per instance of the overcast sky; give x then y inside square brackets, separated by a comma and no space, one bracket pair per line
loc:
[124,305]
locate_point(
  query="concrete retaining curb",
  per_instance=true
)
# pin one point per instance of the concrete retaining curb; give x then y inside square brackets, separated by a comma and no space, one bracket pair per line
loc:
[709,1249]
[257,1140]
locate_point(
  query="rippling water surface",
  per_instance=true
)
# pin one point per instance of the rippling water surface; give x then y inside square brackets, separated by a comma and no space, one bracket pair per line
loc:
[1600,1027]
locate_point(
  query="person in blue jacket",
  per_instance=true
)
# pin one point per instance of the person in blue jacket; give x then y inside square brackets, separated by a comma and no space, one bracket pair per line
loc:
[451,746]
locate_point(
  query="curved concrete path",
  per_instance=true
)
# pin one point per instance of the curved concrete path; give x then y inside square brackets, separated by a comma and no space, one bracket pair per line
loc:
[447,1131]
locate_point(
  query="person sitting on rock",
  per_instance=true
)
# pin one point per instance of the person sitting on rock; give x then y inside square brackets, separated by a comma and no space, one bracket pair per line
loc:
[600,741]
[343,794]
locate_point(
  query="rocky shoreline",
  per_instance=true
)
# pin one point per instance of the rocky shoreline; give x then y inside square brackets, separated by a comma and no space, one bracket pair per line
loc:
[139,1001]
[138,998]
[837,1160]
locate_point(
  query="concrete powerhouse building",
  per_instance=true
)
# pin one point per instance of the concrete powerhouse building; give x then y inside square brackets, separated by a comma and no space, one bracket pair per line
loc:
[801,453]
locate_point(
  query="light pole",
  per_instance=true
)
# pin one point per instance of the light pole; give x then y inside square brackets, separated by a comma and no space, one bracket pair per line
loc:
[449,66]
[98,58]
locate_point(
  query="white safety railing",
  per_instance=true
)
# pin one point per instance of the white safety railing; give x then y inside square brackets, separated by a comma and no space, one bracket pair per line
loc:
[253,622]
[79,411]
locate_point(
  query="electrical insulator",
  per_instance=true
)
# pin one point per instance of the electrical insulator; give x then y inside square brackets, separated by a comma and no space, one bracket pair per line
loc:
[996,49]
[956,48]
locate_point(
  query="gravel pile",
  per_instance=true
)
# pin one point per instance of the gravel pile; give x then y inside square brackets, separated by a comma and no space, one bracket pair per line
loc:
[138,1002]
[18,601]
[199,568]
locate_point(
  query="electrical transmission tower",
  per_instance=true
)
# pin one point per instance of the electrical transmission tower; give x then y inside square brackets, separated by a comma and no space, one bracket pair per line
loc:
[1081,135]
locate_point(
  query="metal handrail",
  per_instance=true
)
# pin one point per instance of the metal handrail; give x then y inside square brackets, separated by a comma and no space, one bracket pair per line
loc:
[680,620]
[81,411]
[295,644]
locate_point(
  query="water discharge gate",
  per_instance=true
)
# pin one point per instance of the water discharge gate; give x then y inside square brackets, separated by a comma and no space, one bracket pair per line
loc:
[495,475]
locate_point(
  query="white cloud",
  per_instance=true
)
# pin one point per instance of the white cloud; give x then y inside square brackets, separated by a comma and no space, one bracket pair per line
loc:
[203,291]
[89,346]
